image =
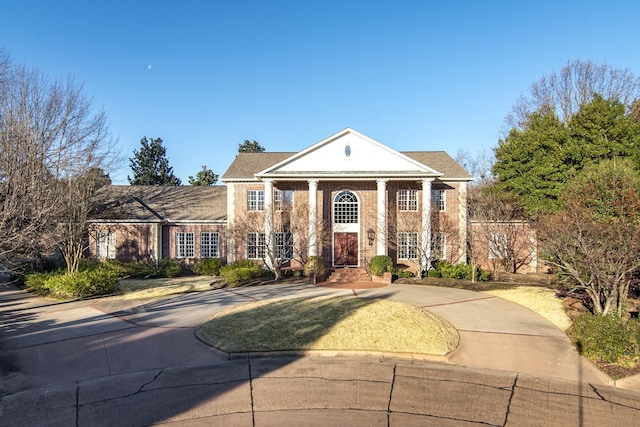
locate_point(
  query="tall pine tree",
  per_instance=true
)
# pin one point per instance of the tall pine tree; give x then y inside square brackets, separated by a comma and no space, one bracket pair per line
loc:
[150,165]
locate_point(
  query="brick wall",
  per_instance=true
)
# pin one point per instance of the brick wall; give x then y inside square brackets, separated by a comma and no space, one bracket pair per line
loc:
[169,239]
[133,241]
[366,192]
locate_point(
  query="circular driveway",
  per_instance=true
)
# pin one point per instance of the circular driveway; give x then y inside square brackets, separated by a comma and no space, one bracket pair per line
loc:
[97,357]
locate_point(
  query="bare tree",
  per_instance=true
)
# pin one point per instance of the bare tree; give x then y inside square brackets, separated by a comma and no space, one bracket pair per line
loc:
[406,231]
[500,233]
[50,138]
[564,92]
[594,240]
[478,165]
[287,240]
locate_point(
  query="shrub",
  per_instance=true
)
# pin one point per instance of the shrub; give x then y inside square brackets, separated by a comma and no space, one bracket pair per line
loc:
[207,267]
[457,271]
[240,272]
[315,265]
[402,274]
[168,267]
[37,281]
[133,268]
[606,338]
[434,273]
[85,283]
[380,264]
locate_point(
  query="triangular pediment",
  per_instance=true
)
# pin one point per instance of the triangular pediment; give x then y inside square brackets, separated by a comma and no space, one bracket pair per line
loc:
[348,154]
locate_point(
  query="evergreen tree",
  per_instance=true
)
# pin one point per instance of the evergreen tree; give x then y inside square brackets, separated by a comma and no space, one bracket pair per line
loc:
[536,161]
[250,147]
[150,165]
[204,177]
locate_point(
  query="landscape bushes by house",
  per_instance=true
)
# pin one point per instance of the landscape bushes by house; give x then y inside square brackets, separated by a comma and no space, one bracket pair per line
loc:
[314,265]
[457,271]
[95,277]
[207,267]
[241,272]
[380,264]
[94,280]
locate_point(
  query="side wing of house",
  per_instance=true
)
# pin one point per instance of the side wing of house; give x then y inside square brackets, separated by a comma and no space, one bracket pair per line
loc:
[147,223]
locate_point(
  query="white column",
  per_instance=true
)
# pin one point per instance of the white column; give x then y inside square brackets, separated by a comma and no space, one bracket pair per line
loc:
[313,217]
[268,220]
[463,226]
[381,226]
[426,221]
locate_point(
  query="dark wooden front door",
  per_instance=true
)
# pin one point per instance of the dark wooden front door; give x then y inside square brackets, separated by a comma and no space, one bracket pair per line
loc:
[345,248]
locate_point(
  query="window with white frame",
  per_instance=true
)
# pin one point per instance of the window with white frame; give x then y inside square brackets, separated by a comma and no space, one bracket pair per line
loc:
[407,245]
[498,245]
[345,208]
[209,245]
[255,200]
[255,245]
[439,245]
[438,199]
[407,200]
[106,245]
[184,245]
[284,245]
[283,200]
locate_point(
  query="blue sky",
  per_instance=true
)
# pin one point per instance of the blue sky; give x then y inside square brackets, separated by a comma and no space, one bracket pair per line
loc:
[414,75]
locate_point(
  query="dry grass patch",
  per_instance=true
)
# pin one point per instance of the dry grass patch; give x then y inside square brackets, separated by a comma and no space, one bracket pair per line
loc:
[150,288]
[541,300]
[323,323]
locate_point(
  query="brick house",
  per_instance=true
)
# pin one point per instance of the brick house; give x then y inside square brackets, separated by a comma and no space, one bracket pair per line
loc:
[346,198]
[143,223]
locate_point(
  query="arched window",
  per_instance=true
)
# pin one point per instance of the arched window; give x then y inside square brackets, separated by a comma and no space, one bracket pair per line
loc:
[345,208]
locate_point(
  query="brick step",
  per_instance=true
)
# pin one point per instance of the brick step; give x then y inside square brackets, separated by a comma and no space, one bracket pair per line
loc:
[349,275]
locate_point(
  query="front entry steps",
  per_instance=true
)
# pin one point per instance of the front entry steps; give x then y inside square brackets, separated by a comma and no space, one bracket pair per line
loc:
[348,274]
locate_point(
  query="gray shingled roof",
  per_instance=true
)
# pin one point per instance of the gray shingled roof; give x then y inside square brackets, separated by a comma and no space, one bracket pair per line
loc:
[146,203]
[440,161]
[246,165]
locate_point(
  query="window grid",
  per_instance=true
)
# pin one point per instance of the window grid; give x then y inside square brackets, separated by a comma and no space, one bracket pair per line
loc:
[345,208]
[284,245]
[282,200]
[407,200]
[407,245]
[255,245]
[209,245]
[438,199]
[106,245]
[255,200]
[184,245]
[438,245]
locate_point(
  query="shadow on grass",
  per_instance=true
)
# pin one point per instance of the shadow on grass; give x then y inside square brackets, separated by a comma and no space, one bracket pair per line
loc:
[334,324]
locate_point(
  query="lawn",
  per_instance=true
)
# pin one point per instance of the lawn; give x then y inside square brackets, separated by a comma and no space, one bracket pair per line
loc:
[321,323]
[151,288]
[541,300]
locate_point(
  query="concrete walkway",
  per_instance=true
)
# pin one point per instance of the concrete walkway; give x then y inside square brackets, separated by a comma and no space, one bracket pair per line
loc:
[92,362]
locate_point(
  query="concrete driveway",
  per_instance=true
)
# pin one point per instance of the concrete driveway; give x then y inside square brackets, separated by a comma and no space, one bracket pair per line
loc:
[91,362]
